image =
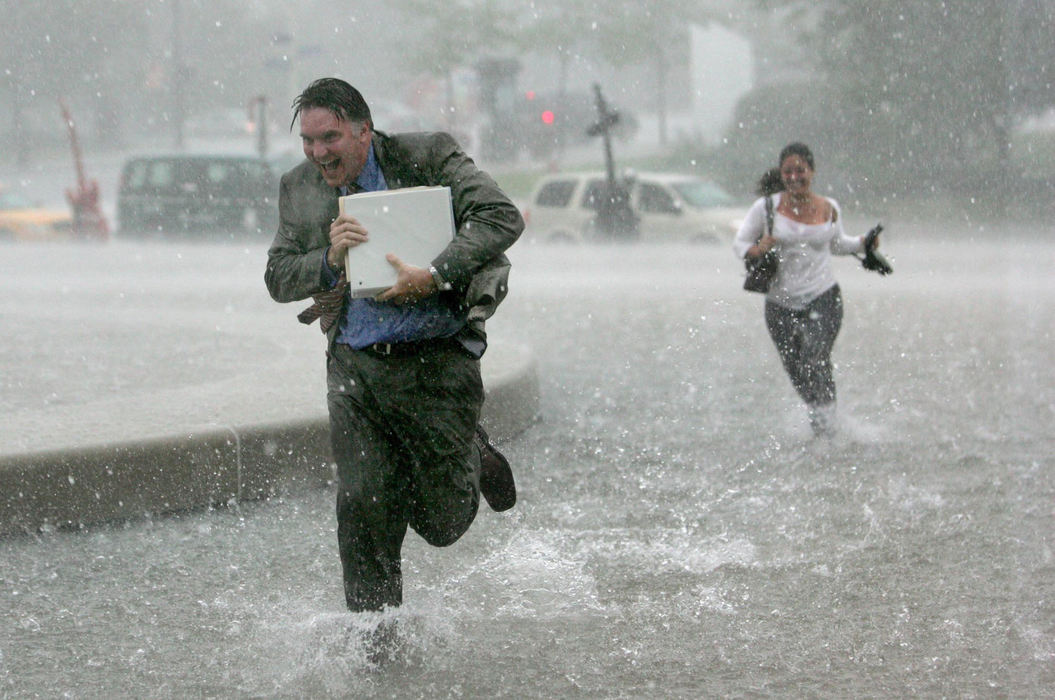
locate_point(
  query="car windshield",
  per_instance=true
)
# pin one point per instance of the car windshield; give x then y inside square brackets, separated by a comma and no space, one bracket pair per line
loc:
[702,194]
[14,200]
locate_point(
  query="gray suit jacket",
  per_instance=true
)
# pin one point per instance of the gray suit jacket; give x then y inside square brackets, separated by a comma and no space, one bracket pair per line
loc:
[486,222]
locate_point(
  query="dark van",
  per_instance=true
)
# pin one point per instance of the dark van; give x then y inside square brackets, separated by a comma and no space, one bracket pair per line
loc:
[197,194]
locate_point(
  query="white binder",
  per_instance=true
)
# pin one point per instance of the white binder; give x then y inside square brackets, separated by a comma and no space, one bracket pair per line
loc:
[415,223]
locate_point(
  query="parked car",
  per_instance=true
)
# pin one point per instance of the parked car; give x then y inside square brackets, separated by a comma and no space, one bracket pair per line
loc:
[21,220]
[198,193]
[669,207]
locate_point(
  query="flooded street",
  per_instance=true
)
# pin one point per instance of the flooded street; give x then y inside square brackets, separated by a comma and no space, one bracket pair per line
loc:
[679,534]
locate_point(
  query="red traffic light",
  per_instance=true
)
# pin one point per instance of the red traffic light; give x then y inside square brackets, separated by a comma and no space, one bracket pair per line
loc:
[548,117]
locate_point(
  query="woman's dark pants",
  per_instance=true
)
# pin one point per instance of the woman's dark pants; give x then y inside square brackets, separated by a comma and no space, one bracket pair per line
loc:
[804,339]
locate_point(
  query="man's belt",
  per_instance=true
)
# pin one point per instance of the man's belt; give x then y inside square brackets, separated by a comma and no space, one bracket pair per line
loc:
[410,349]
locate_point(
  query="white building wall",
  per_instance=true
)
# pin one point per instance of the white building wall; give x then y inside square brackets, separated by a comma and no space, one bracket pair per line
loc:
[722,70]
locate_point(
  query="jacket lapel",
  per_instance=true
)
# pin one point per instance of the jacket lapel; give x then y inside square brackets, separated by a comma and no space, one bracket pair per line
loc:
[389,164]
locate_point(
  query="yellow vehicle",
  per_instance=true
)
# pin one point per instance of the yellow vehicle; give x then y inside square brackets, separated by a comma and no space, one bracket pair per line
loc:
[20,220]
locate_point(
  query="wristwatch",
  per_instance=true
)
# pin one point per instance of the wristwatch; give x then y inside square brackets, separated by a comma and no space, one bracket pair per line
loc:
[441,284]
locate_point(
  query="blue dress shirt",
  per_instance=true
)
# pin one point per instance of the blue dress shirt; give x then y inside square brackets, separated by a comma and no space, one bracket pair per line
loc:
[367,321]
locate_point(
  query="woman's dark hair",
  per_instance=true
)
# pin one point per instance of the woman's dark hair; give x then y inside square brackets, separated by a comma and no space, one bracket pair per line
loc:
[797,149]
[335,95]
[770,183]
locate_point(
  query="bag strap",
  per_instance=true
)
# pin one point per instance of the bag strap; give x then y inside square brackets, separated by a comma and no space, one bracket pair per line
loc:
[769,218]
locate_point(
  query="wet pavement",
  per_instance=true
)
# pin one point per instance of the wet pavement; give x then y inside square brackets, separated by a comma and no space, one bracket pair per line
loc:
[678,533]
[141,377]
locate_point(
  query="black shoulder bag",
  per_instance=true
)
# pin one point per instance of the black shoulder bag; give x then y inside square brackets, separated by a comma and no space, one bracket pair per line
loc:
[761,270]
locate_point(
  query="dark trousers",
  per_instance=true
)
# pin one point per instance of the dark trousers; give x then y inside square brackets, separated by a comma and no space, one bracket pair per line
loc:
[402,434]
[804,339]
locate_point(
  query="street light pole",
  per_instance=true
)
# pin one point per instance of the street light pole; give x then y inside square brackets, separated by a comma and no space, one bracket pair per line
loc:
[178,74]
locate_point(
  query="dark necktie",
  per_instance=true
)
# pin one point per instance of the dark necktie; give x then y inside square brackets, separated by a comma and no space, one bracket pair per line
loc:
[327,307]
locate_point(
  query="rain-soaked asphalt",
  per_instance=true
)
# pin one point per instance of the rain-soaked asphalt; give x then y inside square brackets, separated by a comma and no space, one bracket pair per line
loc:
[679,533]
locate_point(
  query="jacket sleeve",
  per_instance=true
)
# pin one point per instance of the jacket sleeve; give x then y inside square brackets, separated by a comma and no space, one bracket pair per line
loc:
[488,221]
[295,260]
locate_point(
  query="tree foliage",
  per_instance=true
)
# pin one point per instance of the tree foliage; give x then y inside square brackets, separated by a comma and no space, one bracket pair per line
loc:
[454,34]
[42,61]
[625,33]
[557,28]
[116,63]
[909,91]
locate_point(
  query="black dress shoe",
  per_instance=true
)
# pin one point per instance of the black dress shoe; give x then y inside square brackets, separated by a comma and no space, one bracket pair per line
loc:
[496,478]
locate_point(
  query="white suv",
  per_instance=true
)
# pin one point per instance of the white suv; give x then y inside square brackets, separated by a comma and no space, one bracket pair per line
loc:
[669,207]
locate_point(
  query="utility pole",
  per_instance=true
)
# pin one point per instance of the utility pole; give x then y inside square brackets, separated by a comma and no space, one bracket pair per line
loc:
[179,74]
[258,117]
[615,219]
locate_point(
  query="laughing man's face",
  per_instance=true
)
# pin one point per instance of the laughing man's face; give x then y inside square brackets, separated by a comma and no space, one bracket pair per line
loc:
[338,147]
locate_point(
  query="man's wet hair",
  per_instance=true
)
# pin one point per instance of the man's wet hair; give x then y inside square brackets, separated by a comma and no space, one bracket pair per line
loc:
[335,95]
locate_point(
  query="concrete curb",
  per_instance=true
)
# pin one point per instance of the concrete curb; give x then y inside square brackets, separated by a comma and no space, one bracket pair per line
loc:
[215,464]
